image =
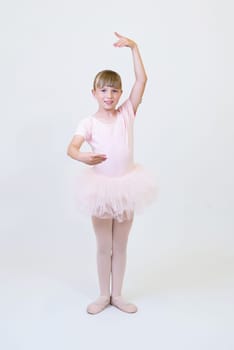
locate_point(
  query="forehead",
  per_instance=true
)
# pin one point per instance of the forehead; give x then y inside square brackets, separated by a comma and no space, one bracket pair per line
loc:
[108,87]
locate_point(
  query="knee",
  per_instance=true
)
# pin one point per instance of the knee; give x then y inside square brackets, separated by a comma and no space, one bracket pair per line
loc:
[104,250]
[119,249]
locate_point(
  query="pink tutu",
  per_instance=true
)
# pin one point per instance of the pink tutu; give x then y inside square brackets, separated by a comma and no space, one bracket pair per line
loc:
[115,197]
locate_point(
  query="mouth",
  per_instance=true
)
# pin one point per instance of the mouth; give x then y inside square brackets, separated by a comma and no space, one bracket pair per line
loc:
[109,103]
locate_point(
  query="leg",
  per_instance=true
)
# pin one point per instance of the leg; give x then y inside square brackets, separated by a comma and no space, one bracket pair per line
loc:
[119,256]
[103,232]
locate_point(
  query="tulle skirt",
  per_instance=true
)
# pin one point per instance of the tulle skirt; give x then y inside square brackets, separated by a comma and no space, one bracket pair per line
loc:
[115,197]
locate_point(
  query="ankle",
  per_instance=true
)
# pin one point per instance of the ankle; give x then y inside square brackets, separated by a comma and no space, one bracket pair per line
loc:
[107,296]
[104,297]
[116,295]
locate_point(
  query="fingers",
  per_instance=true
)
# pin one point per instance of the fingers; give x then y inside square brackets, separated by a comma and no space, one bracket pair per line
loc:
[120,43]
[98,158]
[123,41]
[91,158]
[118,35]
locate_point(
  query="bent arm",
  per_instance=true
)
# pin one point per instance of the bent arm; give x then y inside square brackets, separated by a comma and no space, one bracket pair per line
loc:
[89,158]
[73,149]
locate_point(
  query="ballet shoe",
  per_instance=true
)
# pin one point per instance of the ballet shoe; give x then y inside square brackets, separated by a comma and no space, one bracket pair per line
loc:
[123,305]
[98,305]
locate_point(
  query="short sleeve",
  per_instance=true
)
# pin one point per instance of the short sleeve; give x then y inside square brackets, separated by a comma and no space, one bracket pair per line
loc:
[84,129]
[126,108]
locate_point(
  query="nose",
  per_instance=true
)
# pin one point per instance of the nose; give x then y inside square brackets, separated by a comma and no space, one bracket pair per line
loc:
[109,93]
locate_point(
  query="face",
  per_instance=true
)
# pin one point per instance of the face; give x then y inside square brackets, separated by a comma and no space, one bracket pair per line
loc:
[107,97]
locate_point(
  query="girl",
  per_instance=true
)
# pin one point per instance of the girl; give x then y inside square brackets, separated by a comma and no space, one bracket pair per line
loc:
[113,187]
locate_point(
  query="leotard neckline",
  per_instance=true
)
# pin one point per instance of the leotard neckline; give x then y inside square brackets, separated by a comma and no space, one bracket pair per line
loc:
[105,122]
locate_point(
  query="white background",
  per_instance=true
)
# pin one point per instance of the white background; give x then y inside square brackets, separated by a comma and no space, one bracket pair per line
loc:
[180,260]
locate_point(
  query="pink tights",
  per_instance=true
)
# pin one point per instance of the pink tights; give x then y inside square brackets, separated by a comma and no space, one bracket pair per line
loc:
[112,238]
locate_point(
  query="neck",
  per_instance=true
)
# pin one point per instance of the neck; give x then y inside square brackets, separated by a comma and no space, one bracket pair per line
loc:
[105,114]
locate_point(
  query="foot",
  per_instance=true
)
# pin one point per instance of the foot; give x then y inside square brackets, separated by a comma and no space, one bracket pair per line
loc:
[123,305]
[98,305]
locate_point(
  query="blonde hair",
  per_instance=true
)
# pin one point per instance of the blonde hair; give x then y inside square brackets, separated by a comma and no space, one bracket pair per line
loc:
[107,78]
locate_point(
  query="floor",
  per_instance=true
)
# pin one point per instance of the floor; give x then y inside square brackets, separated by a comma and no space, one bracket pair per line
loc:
[42,310]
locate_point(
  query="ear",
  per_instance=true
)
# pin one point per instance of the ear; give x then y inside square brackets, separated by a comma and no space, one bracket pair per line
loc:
[93,92]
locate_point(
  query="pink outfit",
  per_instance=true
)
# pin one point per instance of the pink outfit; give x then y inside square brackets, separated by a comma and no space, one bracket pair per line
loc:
[117,187]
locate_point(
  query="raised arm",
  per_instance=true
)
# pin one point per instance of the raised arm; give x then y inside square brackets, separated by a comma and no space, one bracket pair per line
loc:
[140,74]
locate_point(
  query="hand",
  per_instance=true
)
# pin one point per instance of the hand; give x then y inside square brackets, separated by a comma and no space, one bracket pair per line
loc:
[91,158]
[123,41]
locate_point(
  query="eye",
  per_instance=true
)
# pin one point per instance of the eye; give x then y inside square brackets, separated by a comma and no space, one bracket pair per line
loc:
[114,90]
[103,90]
